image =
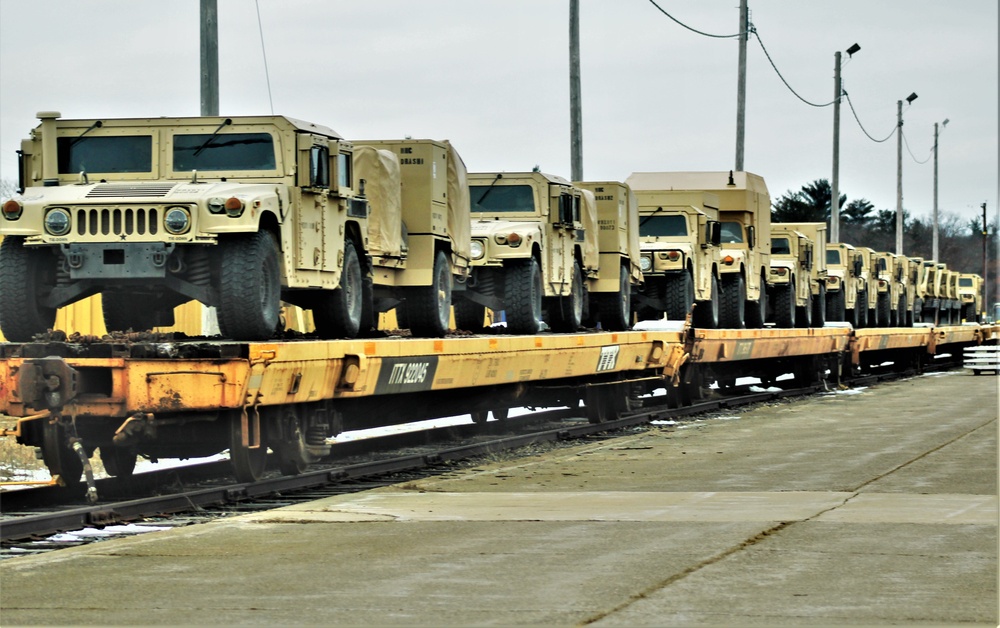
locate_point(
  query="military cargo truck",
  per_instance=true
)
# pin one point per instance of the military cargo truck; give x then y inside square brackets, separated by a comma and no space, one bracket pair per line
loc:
[789,284]
[846,285]
[815,232]
[970,288]
[618,242]
[238,213]
[679,234]
[531,254]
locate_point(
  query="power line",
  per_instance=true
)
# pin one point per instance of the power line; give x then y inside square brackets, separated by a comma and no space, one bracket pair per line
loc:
[267,75]
[759,41]
[693,30]
[911,152]
[851,104]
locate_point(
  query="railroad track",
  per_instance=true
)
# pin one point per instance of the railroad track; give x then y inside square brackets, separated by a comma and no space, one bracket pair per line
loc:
[31,515]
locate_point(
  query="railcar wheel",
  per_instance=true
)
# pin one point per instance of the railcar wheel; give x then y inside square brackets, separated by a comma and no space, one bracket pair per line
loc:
[248,462]
[59,457]
[249,286]
[118,461]
[615,309]
[429,307]
[605,403]
[734,294]
[27,275]
[338,313]
[566,313]
[292,446]
[523,296]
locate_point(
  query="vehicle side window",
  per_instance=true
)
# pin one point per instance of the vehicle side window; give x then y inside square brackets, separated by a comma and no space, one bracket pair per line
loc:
[344,174]
[780,246]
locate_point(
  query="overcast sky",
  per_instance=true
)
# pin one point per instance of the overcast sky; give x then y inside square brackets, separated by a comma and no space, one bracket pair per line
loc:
[492,76]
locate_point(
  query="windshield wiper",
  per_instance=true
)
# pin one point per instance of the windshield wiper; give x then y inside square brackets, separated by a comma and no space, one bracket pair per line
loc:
[225,122]
[96,125]
[647,218]
[489,189]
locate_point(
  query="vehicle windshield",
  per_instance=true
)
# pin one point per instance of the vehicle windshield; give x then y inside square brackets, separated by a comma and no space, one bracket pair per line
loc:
[119,153]
[502,198]
[663,226]
[732,232]
[833,256]
[965,282]
[228,151]
[780,246]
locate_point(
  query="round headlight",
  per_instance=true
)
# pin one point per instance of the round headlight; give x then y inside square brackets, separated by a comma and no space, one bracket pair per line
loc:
[57,221]
[177,220]
[645,264]
[477,250]
[217,205]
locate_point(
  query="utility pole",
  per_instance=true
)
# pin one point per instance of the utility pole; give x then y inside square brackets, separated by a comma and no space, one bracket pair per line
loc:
[741,88]
[986,268]
[934,231]
[575,107]
[835,179]
[209,58]
[899,177]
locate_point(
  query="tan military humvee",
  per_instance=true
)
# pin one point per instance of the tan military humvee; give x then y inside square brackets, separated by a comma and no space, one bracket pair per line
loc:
[846,285]
[531,254]
[679,234]
[790,282]
[893,276]
[237,213]
[970,293]
[618,242]
[816,232]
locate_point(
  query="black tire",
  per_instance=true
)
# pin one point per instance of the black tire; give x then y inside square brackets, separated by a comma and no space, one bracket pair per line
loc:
[819,308]
[566,313]
[26,276]
[706,313]
[338,313]
[836,309]
[523,296]
[756,311]
[249,286]
[733,302]
[861,309]
[615,308]
[901,312]
[469,315]
[680,295]
[123,311]
[883,310]
[429,307]
[803,314]
[784,306]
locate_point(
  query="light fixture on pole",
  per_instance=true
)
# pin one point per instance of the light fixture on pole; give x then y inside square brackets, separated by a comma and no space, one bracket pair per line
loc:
[934,231]
[899,171]
[835,179]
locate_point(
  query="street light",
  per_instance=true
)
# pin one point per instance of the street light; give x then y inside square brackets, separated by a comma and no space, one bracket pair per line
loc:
[934,237]
[835,179]
[899,171]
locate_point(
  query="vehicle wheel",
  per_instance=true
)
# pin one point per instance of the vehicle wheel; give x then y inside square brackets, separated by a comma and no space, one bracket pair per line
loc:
[784,306]
[117,461]
[615,309]
[291,449]
[523,296]
[429,307]
[835,306]
[27,276]
[469,315]
[250,286]
[901,312]
[706,313]
[248,463]
[680,295]
[756,311]
[123,311]
[338,313]
[803,315]
[566,313]
[861,309]
[883,309]
[59,457]
[819,308]
[733,302]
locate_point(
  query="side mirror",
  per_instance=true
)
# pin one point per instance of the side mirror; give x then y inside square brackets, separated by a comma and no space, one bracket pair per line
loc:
[565,214]
[714,232]
[858,266]
[750,237]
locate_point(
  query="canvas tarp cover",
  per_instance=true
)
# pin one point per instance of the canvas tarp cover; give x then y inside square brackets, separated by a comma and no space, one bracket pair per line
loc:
[591,228]
[380,170]
[459,219]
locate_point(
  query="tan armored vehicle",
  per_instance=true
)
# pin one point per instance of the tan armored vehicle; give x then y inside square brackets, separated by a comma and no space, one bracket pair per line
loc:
[846,285]
[679,236]
[970,289]
[892,276]
[618,241]
[789,289]
[531,254]
[811,309]
[953,304]
[916,289]
[869,260]
[932,292]
[237,213]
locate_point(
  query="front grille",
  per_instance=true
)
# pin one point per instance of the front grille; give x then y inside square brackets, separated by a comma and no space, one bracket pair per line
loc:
[109,190]
[117,221]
